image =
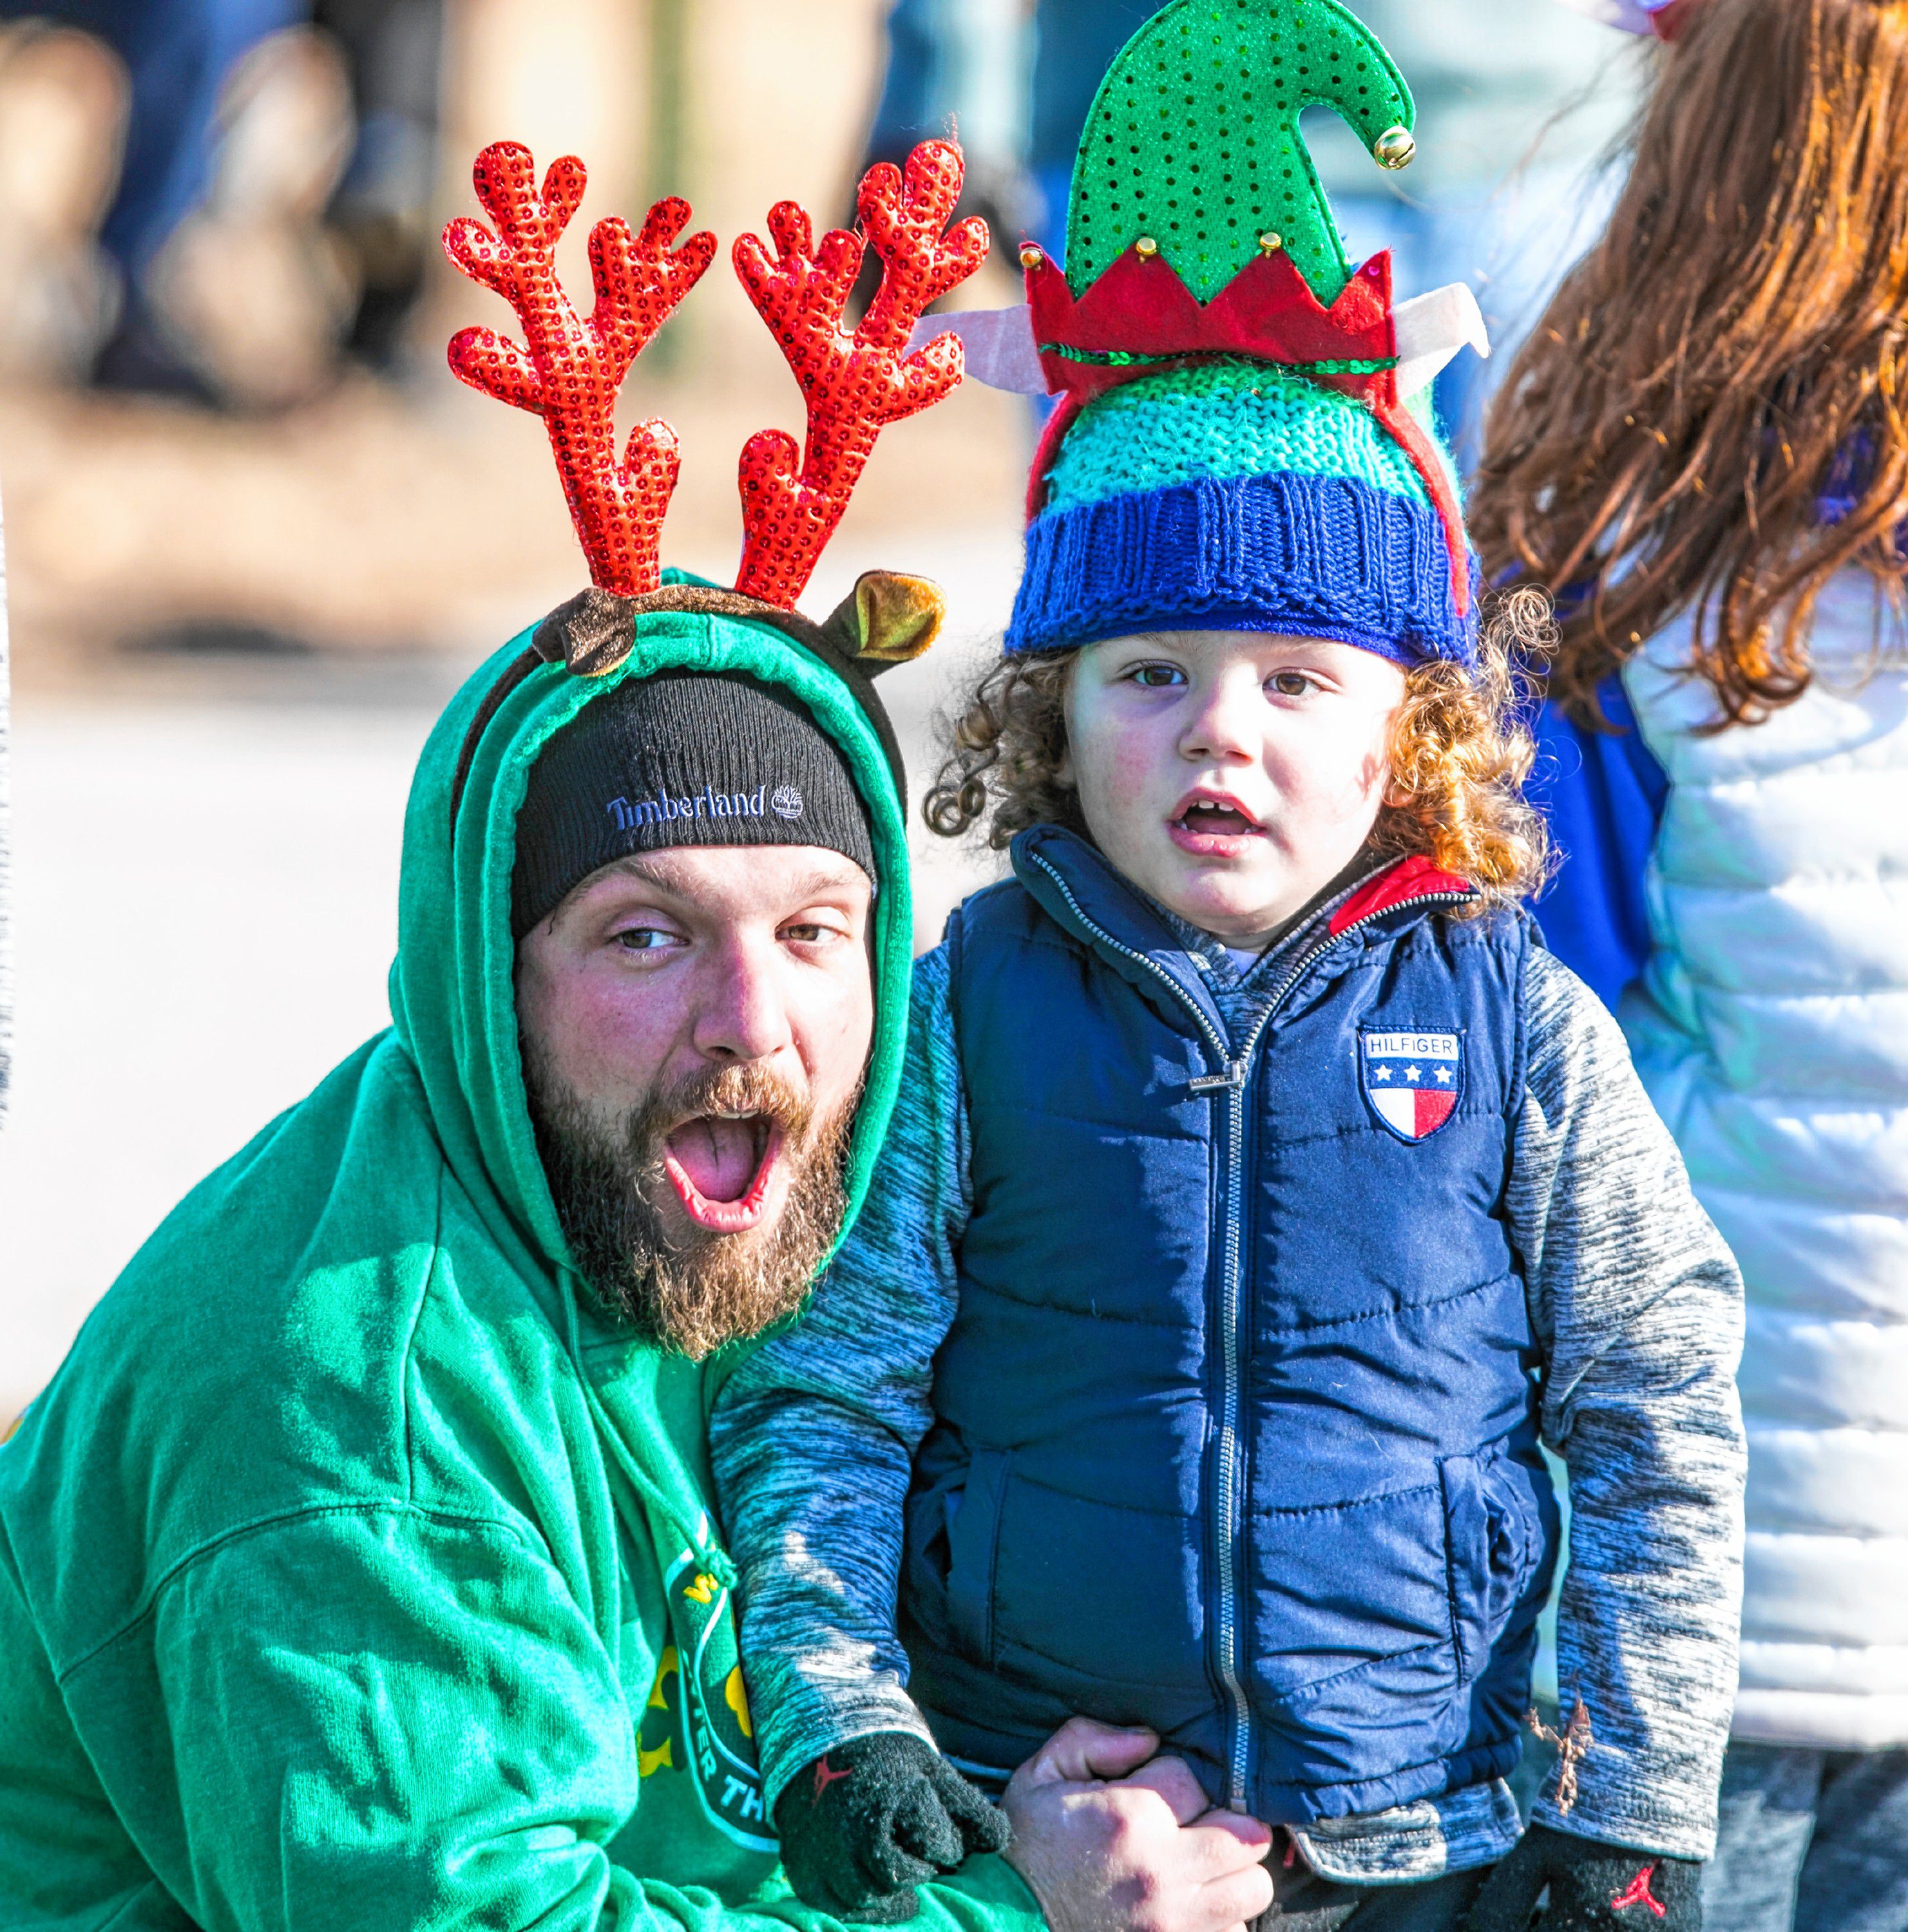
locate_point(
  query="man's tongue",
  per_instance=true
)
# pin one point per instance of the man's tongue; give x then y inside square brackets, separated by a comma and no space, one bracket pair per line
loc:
[720,1156]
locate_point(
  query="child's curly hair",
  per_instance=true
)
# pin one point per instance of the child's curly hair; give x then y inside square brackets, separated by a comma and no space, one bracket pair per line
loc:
[1461,749]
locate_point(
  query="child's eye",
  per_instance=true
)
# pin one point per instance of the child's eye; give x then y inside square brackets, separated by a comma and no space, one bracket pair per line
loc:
[1291,683]
[1157,677]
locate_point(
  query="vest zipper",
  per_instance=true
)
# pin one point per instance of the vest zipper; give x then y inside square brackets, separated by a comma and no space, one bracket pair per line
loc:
[1232,1082]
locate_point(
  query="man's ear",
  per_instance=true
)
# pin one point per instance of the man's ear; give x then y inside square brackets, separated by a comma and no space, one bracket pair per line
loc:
[886,620]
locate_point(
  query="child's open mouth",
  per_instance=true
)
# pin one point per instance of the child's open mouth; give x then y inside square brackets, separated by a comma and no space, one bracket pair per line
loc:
[1213,827]
[725,1167]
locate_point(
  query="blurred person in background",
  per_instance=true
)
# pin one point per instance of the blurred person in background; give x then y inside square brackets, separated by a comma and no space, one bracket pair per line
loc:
[178,55]
[393,52]
[1074,42]
[1702,453]
[960,66]
[206,198]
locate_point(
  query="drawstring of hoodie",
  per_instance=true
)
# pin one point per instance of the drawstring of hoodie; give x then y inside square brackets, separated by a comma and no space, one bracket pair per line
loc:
[710,1558]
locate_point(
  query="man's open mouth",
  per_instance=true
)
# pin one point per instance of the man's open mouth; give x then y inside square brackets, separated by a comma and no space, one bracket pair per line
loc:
[726,1168]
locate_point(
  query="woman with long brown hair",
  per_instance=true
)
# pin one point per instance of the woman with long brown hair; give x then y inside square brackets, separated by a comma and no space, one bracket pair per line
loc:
[1702,451]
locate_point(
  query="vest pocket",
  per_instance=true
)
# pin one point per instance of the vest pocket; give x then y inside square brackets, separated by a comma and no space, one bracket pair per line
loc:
[1493,1541]
[953,1535]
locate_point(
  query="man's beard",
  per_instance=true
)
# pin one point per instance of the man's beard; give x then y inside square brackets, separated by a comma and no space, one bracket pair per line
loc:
[694,1289]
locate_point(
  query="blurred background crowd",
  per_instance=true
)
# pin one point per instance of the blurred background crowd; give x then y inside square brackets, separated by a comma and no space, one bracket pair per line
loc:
[256,533]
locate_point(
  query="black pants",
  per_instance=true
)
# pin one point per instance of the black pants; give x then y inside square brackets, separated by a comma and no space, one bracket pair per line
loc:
[1304,1902]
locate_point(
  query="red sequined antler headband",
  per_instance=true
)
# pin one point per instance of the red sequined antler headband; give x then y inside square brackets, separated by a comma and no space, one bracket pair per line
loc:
[568,369]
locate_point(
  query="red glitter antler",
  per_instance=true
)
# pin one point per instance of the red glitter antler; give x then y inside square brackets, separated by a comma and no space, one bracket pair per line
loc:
[570,370]
[855,384]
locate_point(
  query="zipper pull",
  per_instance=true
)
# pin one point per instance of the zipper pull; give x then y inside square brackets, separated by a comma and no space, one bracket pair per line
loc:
[1233,1077]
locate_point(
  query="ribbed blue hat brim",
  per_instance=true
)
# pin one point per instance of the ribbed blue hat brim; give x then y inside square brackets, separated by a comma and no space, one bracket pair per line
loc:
[1322,556]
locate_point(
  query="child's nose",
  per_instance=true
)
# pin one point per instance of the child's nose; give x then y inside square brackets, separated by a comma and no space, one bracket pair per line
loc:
[1224,724]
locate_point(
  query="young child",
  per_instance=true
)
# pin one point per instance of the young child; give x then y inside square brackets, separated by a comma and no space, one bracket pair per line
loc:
[1261,1194]
[1704,450]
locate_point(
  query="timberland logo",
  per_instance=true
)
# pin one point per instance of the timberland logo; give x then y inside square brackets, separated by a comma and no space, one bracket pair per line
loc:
[786,803]
[707,803]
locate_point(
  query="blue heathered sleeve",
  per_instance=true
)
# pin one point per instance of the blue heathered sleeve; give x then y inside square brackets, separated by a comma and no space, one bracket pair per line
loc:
[1638,1307]
[1603,794]
[813,1438]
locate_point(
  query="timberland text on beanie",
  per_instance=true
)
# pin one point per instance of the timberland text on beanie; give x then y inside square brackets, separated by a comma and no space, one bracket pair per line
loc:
[687,758]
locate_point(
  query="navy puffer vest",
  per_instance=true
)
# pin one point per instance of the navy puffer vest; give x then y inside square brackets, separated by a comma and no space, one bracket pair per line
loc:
[1237,1431]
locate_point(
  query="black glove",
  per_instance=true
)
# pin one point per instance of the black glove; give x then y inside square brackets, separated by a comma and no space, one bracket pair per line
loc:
[1593,1887]
[864,1826]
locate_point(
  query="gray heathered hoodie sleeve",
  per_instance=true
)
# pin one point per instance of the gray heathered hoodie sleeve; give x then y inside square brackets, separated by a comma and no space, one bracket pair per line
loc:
[813,1438]
[1638,1305]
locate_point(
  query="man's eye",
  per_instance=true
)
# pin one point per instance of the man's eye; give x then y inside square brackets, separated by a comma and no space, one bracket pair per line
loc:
[644,939]
[1157,677]
[1291,683]
[810,932]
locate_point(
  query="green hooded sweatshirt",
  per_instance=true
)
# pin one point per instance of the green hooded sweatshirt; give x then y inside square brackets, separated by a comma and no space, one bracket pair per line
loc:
[353,1575]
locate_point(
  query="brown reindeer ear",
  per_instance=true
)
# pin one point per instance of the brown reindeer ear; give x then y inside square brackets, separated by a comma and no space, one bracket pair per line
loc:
[592,635]
[888,619]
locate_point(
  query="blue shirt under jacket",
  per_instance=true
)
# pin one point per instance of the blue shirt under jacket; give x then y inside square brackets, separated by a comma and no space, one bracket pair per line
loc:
[1604,794]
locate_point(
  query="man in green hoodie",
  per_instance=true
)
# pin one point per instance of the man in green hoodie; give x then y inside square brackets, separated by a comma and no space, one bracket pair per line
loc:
[357,1569]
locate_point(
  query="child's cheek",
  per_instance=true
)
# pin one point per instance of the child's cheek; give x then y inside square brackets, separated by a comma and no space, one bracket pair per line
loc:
[1119,769]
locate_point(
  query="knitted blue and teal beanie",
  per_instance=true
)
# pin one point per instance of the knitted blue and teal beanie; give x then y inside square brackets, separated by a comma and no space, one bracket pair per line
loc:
[1231,450]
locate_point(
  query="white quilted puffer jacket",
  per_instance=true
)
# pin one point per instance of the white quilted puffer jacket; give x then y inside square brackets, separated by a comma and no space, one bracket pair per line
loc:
[1772,1031]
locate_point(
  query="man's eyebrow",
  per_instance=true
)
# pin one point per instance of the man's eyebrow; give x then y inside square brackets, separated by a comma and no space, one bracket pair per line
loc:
[635,865]
[640,867]
[822,880]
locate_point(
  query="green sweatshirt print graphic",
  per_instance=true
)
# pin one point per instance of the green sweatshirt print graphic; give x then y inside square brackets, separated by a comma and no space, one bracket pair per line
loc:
[352,1575]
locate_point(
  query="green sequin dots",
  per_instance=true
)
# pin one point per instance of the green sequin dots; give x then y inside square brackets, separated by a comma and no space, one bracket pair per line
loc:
[1193,139]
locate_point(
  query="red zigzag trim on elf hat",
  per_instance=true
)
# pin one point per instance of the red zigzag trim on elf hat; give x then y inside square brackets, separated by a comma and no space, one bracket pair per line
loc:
[568,370]
[1139,318]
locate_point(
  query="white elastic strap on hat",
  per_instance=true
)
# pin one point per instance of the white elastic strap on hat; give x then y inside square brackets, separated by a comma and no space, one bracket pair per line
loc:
[999,344]
[1432,329]
[1632,15]
[1002,353]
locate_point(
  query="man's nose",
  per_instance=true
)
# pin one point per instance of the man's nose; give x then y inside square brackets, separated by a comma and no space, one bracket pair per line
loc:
[1223,722]
[741,1009]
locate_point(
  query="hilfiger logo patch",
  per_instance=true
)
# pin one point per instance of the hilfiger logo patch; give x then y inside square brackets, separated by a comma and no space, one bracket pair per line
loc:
[1413,1082]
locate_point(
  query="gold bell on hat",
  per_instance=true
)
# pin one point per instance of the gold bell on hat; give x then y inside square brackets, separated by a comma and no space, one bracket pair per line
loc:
[1396,148]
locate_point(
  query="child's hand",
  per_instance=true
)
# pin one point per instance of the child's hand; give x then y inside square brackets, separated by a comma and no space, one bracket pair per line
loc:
[1593,1887]
[863,1826]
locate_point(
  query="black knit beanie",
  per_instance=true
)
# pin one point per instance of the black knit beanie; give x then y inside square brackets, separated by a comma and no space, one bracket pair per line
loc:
[683,758]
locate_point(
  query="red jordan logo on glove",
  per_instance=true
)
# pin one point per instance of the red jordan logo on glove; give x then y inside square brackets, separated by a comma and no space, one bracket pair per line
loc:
[1638,1893]
[825,1777]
